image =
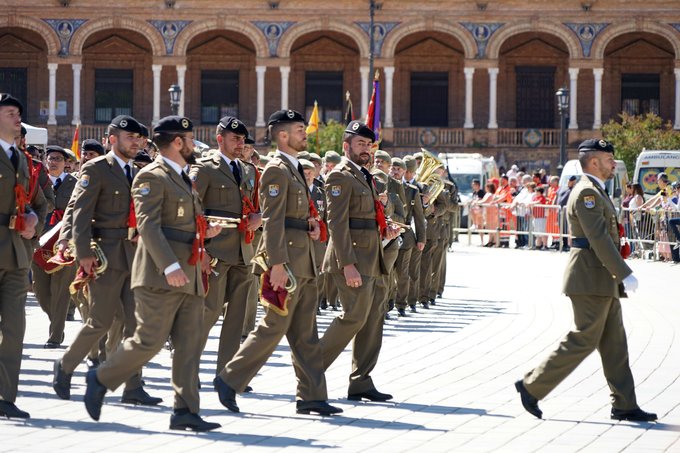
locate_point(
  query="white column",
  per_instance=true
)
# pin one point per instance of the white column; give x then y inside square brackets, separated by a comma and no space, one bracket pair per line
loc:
[77,67]
[156,68]
[364,90]
[597,121]
[677,99]
[573,97]
[493,84]
[260,70]
[181,71]
[389,88]
[469,74]
[285,74]
[52,118]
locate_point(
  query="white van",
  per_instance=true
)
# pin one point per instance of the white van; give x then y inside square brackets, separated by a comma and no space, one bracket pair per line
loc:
[651,163]
[615,186]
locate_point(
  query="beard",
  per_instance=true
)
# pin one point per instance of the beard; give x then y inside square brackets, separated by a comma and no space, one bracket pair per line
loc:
[187,154]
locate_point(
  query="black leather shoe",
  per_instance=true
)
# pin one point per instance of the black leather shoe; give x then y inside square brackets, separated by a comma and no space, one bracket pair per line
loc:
[191,422]
[387,317]
[226,394]
[413,309]
[139,396]
[10,410]
[390,305]
[248,389]
[323,304]
[529,402]
[94,395]
[371,395]
[52,345]
[61,383]
[635,415]
[433,302]
[426,305]
[401,312]
[318,407]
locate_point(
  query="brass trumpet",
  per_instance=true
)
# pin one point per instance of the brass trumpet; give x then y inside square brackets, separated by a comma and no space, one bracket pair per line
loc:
[102,262]
[402,226]
[262,261]
[224,222]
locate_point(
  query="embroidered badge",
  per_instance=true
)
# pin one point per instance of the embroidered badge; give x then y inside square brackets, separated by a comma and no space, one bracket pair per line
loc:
[123,124]
[234,125]
[336,190]
[290,114]
[144,188]
[273,190]
[319,204]
[180,211]
[85,180]
[603,143]
[185,123]
[355,126]
[589,201]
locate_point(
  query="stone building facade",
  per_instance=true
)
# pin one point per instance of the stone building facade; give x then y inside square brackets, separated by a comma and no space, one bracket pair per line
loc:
[456,75]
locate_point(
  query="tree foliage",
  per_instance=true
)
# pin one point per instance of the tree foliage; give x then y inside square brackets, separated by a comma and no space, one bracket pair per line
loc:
[635,133]
[329,138]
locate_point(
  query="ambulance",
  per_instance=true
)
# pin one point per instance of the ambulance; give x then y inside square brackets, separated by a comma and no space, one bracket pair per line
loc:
[651,163]
[615,186]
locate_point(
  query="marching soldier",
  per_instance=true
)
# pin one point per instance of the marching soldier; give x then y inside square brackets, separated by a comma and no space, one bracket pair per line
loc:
[52,289]
[595,278]
[329,296]
[20,220]
[411,165]
[226,187]
[167,282]
[287,241]
[354,258]
[103,213]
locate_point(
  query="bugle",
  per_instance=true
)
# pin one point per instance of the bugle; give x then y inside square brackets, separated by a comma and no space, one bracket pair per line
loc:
[224,222]
[275,299]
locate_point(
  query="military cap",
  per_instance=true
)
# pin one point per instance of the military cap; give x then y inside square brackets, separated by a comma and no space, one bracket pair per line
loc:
[332,157]
[303,155]
[359,128]
[286,116]
[306,164]
[410,163]
[127,123]
[380,154]
[71,155]
[232,124]
[174,123]
[397,162]
[7,99]
[381,175]
[56,149]
[594,144]
[255,154]
[250,140]
[418,155]
[92,145]
[145,130]
[314,157]
[143,156]
[23,131]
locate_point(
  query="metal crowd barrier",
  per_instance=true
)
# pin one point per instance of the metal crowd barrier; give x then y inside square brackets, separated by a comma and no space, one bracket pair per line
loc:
[652,233]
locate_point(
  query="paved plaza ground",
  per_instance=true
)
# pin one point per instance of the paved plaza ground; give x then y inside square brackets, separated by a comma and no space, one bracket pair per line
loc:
[451,370]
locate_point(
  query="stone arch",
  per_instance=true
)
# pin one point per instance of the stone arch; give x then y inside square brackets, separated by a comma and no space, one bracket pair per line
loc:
[38,26]
[243,27]
[144,28]
[613,31]
[549,27]
[438,25]
[353,31]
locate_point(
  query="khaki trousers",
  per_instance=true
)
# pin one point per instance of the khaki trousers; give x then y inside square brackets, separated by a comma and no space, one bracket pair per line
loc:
[161,313]
[330,290]
[385,284]
[52,293]
[109,294]
[299,327]
[403,278]
[233,282]
[251,306]
[414,275]
[83,306]
[428,264]
[13,287]
[438,270]
[599,326]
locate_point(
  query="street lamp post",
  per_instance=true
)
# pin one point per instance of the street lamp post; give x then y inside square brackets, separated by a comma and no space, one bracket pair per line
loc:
[175,94]
[371,38]
[563,105]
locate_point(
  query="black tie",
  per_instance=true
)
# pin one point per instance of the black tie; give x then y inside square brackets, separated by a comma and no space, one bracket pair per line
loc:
[13,157]
[302,173]
[606,190]
[57,183]
[187,180]
[368,176]
[128,173]
[237,174]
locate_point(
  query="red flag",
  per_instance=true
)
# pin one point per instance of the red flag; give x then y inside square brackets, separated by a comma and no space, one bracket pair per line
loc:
[373,115]
[75,144]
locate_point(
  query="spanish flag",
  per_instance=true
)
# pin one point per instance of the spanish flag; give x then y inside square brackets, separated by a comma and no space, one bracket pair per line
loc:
[314,120]
[75,145]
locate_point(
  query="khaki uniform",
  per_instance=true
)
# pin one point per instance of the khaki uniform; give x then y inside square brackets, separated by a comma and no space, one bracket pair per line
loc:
[14,267]
[395,211]
[318,196]
[354,239]
[253,295]
[222,197]
[101,204]
[413,216]
[166,210]
[439,264]
[285,207]
[593,281]
[51,290]
[431,257]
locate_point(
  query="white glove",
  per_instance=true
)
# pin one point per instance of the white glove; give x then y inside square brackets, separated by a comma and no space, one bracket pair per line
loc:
[630,283]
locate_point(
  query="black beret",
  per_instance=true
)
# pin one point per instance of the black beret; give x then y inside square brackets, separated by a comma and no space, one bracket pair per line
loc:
[286,116]
[594,144]
[143,156]
[8,99]
[250,140]
[235,125]
[56,149]
[174,123]
[358,128]
[93,145]
[127,123]
[145,130]
[23,131]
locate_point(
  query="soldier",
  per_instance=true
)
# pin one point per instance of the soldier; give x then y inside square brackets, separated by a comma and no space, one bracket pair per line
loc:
[287,241]
[412,240]
[227,188]
[103,213]
[595,278]
[354,258]
[20,221]
[173,231]
[416,254]
[51,289]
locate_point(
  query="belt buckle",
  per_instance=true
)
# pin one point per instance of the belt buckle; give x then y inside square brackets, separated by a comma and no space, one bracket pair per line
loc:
[12,222]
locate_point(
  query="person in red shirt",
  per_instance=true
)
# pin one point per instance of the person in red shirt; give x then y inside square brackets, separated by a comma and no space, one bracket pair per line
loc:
[503,195]
[539,218]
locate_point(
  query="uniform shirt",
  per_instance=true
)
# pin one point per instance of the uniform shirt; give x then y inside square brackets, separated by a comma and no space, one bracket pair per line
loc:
[6,146]
[61,177]
[175,166]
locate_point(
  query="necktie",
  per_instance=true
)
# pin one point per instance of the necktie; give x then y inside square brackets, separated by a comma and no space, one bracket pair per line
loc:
[236,172]
[606,190]
[186,180]
[368,176]
[128,173]
[13,157]
[57,183]
[302,172]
